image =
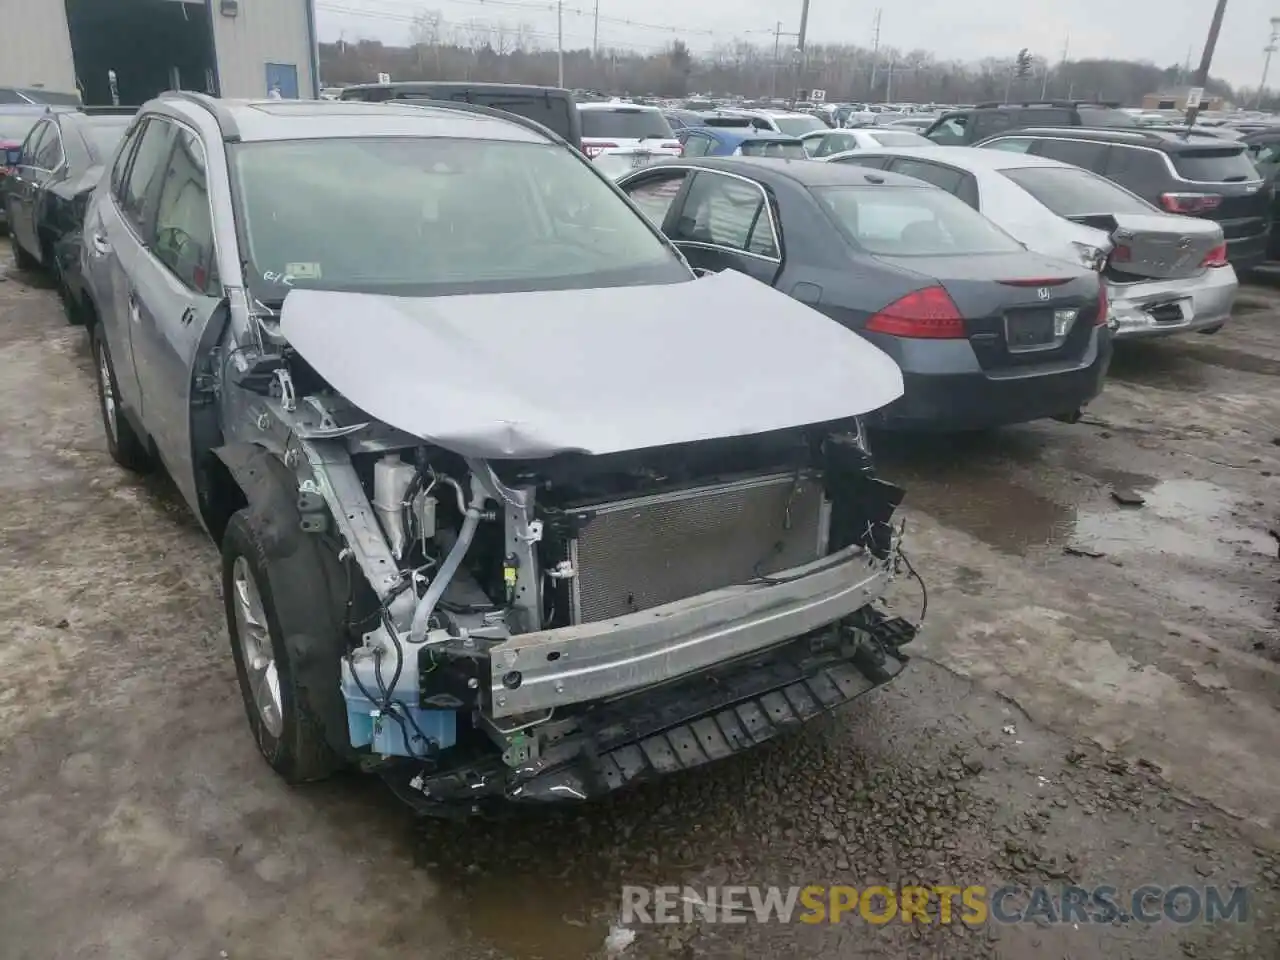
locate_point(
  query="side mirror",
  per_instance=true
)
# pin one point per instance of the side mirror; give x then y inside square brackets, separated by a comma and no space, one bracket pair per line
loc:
[12,156]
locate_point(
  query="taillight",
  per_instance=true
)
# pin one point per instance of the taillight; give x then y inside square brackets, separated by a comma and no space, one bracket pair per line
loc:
[1103,307]
[1121,254]
[1217,257]
[595,149]
[928,314]
[1190,203]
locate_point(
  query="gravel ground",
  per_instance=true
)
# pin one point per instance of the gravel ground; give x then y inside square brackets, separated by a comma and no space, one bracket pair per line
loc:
[1093,700]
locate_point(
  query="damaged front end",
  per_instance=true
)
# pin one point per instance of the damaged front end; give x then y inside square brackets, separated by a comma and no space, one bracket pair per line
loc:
[557,629]
[548,622]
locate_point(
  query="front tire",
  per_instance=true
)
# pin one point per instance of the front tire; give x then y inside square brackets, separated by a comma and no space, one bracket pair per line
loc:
[285,644]
[123,443]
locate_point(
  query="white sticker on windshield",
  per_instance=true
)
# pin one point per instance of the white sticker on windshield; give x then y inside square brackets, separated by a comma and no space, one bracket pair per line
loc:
[303,271]
[272,277]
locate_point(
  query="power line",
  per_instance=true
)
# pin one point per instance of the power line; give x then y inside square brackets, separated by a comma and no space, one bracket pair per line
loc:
[463,25]
[543,6]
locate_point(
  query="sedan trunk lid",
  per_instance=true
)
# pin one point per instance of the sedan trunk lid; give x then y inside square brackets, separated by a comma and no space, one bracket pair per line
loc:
[1156,246]
[1018,308]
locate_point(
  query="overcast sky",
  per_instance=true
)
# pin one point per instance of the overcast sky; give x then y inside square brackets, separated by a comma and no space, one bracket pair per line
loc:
[1161,31]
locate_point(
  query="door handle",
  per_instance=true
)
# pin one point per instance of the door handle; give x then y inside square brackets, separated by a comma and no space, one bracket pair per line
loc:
[188,315]
[98,243]
[135,314]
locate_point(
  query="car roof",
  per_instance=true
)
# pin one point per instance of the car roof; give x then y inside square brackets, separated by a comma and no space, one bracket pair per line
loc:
[1171,141]
[627,106]
[804,172]
[410,86]
[966,158]
[747,133]
[261,120]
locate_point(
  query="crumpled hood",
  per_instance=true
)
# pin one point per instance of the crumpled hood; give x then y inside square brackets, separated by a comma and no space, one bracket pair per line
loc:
[524,375]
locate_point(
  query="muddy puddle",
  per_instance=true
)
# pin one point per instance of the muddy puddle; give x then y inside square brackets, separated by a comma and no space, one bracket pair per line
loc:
[1192,519]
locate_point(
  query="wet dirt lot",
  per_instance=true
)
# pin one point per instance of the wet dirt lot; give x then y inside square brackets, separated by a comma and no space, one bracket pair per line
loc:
[1094,700]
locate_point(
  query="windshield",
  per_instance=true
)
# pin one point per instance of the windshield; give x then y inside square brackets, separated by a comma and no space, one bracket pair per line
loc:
[1072,192]
[16,127]
[786,149]
[898,138]
[911,222]
[103,136]
[1215,165]
[436,216]
[798,126]
[624,123]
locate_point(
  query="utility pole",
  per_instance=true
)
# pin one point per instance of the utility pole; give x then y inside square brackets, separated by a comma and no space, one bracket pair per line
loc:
[875,53]
[773,76]
[1269,49]
[800,64]
[1062,67]
[1206,59]
[595,33]
[560,42]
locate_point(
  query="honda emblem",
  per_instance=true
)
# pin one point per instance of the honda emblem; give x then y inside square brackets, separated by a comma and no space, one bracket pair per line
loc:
[1043,293]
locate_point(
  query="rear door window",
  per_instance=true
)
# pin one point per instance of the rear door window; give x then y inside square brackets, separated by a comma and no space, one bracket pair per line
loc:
[944,177]
[950,131]
[1079,153]
[654,195]
[727,212]
[985,123]
[1230,165]
[697,145]
[625,123]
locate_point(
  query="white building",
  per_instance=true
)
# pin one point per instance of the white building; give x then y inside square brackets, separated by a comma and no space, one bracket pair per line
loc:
[127,51]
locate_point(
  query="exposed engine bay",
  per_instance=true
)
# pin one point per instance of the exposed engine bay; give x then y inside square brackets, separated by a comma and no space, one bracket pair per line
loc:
[557,626]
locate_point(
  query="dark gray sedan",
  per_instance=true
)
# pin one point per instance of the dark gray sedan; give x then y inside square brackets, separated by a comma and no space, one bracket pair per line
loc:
[986,332]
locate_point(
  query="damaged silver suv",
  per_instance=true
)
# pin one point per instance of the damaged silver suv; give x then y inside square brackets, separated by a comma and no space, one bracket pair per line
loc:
[511,504]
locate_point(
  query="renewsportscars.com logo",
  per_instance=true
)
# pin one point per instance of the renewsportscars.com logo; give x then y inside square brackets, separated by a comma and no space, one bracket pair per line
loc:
[943,904]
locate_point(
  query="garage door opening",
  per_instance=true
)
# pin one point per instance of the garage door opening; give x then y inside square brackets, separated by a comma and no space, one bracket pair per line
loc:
[150,45]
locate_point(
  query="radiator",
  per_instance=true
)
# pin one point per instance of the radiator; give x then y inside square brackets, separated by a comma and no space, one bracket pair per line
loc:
[640,553]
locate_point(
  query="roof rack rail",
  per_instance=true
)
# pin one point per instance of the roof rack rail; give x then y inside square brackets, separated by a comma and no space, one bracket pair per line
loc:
[119,110]
[1046,103]
[1133,133]
[466,107]
[226,122]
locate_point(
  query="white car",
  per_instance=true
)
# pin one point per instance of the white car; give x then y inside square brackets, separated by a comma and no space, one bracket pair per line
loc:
[1164,273]
[620,137]
[780,121]
[824,143]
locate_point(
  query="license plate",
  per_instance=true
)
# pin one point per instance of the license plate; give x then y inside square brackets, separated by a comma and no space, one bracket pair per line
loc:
[639,159]
[1029,330]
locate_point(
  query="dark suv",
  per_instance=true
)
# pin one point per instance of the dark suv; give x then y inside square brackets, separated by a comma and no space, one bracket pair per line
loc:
[554,108]
[958,128]
[1191,174]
